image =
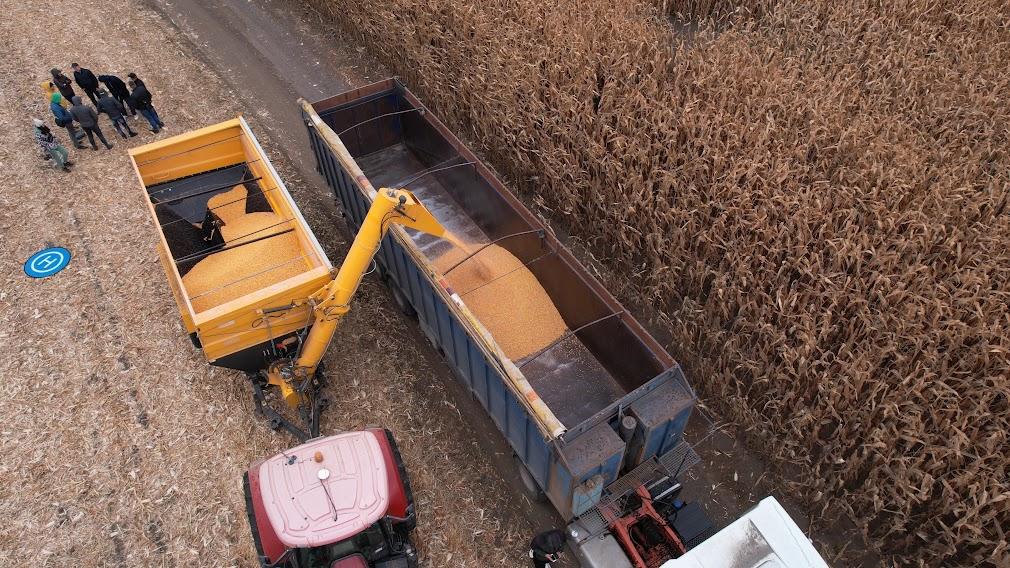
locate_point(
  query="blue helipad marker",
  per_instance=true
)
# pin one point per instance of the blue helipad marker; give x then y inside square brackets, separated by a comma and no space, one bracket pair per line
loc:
[47,262]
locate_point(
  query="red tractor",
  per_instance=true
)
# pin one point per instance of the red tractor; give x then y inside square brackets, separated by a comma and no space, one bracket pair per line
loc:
[342,501]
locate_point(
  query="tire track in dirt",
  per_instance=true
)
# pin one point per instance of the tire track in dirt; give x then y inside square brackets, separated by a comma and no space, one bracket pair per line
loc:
[137,405]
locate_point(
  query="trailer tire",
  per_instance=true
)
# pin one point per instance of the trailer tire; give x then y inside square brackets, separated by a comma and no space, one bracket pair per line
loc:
[400,300]
[195,338]
[530,486]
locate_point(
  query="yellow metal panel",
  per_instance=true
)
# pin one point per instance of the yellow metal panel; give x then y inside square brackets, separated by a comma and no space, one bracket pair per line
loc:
[175,284]
[171,270]
[237,325]
[191,153]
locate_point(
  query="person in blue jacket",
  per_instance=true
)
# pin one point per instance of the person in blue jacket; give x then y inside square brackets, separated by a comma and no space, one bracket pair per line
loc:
[63,118]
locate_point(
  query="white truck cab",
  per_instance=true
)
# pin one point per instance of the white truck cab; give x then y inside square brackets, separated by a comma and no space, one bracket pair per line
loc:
[764,537]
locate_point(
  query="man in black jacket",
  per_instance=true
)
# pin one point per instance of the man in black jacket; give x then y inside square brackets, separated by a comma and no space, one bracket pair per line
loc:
[117,88]
[546,547]
[62,83]
[86,80]
[116,113]
[142,100]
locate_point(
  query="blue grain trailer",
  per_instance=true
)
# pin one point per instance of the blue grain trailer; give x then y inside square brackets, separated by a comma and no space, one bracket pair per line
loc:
[593,417]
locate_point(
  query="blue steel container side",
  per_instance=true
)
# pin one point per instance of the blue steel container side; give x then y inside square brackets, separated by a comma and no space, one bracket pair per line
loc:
[550,462]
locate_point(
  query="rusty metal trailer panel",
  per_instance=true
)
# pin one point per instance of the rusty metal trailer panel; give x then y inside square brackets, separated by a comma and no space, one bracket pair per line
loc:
[561,409]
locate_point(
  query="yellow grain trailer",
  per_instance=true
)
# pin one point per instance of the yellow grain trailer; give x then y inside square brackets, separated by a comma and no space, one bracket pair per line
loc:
[232,241]
[255,290]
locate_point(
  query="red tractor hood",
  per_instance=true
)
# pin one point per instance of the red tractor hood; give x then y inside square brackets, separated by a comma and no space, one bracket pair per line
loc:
[309,503]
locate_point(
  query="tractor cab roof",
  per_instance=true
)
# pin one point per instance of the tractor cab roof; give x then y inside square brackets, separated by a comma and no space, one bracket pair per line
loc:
[325,490]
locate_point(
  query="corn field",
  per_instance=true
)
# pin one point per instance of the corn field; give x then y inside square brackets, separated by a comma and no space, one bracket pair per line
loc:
[813,192]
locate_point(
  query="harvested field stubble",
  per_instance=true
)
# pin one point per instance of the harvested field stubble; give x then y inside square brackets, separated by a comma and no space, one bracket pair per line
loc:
[817,198]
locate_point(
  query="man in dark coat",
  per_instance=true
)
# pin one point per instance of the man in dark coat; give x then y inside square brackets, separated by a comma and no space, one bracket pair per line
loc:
[86,80]
[142,100]
[117,88]
[133,77]
[62,83]
[116,113]
[88,119]
[546,547]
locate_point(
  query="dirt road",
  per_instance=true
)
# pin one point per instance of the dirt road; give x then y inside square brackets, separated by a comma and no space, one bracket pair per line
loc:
[270,53]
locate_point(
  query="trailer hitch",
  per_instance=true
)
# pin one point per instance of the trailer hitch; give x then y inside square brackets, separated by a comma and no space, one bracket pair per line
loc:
[310,408]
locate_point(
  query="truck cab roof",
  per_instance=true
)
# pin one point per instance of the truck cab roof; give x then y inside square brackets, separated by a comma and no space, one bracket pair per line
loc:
[764,537]
[325,490]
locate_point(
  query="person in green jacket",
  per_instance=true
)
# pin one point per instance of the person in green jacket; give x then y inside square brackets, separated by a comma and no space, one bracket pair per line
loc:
[63,118]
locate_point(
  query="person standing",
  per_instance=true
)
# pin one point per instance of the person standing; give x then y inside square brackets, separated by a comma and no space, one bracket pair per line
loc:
[50,146]
[63,83]
[117,88]
[86,80]
[63,118]
[546,547]
[88,119]
[49,88]
[133,77]
[116,113]
[142,100]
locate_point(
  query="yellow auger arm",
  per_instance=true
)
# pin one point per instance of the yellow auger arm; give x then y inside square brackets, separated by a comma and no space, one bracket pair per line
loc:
[296,375]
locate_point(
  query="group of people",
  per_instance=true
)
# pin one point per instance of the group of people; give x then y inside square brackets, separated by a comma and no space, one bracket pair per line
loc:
[117,100]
